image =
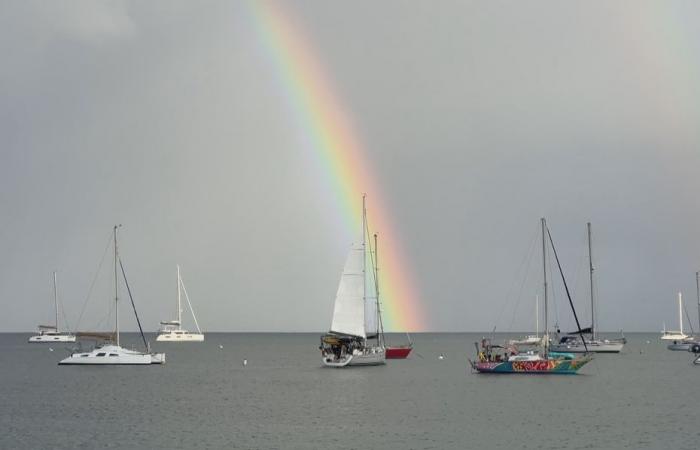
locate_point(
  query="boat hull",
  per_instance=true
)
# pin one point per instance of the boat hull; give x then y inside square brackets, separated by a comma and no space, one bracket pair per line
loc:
[592,347]
[112,355]
[48,338]
[180,337]
[398,352]
[545,366]
[373,356]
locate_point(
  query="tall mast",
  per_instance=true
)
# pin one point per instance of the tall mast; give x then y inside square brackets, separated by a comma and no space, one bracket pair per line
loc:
[537,315]
[55,298]
[544,271]
[697,287]
[590,265]
[116,286]
[376,290]
[364,255]
[179,308]
[680,311]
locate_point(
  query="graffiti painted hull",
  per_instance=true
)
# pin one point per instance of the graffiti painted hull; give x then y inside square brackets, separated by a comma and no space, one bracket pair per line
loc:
[545,366]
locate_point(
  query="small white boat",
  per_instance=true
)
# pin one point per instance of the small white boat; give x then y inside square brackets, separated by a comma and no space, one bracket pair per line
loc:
[171,330]
[111,354]
[51,333]
[676,335]
[355,337]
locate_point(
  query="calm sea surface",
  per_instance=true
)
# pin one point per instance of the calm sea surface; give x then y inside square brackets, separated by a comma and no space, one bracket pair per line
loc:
[644,398]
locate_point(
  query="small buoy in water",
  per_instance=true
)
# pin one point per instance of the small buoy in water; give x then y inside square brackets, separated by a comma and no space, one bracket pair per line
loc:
[245,362]
[648,342]
[50,349]
[220,346]
[441,356]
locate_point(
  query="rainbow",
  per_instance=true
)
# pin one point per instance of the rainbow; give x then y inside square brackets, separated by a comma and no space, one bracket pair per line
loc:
[328,134]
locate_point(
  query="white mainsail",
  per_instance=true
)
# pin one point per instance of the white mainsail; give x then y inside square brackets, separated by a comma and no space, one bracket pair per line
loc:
[349,310]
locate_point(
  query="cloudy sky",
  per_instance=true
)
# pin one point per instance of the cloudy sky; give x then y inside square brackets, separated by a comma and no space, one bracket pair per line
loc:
[477,117]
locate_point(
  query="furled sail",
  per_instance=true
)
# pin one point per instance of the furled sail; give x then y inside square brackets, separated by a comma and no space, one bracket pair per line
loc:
[349,310]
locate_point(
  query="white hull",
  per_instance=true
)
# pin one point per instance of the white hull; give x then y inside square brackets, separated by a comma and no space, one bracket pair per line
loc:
[110,355]
[180,336]
[593,347]
[372,356]
[47,338]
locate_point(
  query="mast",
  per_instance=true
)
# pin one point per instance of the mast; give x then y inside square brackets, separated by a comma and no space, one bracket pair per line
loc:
[55,298]
[697,287]
[590,265]
[537,316]
[380,325]
[179,308]
[544,271]
[364,256]
[116,285]
[680,311]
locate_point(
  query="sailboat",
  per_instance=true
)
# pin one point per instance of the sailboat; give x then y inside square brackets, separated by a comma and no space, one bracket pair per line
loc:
[676,335]
[171,330]
[51,333]
[355,336]
[499,359]
[113,353]
[532,339]
[400,351]
[687,343]
[572,342]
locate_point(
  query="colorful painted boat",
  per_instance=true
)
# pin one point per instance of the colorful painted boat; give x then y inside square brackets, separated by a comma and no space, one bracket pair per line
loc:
[508,359]
[542,366]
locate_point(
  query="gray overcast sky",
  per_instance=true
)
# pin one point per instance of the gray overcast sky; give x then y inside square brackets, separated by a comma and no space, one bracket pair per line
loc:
[478,117]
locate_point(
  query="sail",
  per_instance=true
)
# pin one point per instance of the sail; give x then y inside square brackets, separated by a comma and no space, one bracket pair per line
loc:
[349,310]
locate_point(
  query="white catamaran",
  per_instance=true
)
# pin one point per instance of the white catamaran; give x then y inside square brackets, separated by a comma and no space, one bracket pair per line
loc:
[171,330]
[51,333]
[113,353]
[355,336]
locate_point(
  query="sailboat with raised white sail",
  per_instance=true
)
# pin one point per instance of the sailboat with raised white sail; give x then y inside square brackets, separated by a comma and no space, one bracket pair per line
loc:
[51,333]
[676,335]
[355,336]
[113,353]
[171,330]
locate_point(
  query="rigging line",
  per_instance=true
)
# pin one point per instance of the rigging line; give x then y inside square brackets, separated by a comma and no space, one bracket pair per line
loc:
[187,297]
[94,280]
[687,316]
[567,290]
[132,304]
[553,292]
[525,279]
[374,270]
[533,242]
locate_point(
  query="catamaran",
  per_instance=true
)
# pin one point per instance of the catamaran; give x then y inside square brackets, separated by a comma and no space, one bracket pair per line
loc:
[355,336]
[171,330]
[51,333]
[572,342]
[113,353]
[507,359]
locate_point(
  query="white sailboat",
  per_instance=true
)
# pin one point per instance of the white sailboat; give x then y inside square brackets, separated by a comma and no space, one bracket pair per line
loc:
[531,340]
[676,335]
[51,333]
[171,330]
[572,342]
[355,336]
[114,354]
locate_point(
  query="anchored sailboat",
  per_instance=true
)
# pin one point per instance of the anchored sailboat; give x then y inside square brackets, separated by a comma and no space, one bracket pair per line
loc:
[533,339]
[51,333]
[572,342]
[113,353]
[356,314]
[171,330]
[499,359]
[676,335]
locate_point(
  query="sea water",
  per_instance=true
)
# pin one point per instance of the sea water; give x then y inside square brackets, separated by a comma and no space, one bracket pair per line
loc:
[205,397]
